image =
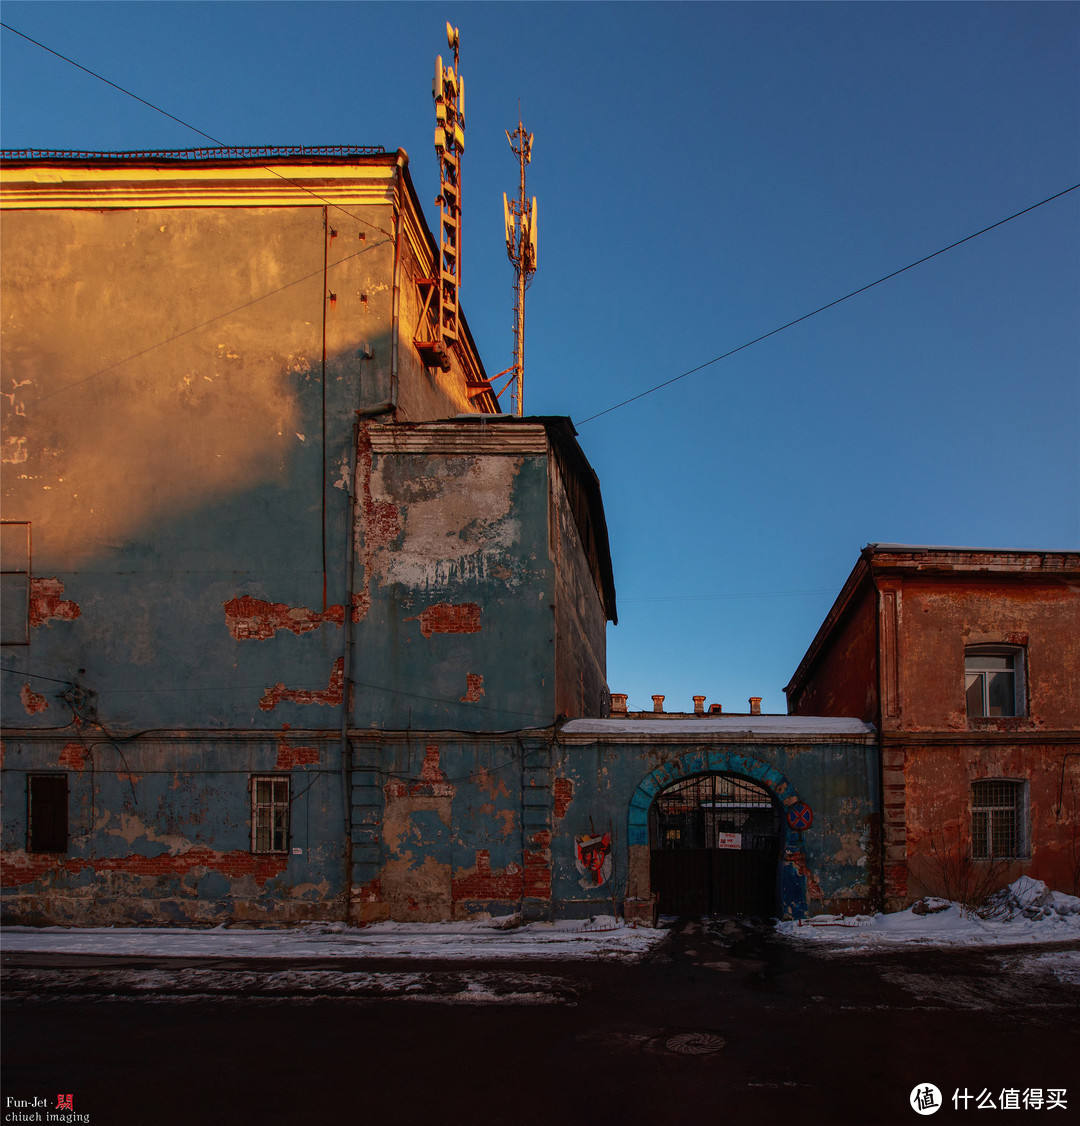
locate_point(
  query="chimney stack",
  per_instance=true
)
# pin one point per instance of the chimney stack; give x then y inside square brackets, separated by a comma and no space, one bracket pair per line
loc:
[755,705]
[658,704]
[716,709]
[618,703]
[699,705]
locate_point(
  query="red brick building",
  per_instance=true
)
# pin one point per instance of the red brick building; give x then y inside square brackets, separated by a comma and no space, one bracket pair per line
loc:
[968,662]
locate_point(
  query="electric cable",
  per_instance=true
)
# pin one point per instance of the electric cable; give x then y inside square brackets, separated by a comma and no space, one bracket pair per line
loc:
[188,125]
[822,308]
[203,324]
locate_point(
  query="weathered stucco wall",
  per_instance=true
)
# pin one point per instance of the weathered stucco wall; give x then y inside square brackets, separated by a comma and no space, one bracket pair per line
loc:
[454,586]
[940,618]
[938,783]
[843,679]
[471,825]
[181,381]
[160,832]
[580,618]
[165,441]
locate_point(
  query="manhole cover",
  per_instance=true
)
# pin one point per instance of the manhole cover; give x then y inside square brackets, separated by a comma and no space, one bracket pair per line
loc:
[694,1043]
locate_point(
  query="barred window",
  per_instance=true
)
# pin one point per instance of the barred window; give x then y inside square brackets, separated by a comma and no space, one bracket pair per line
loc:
[998,819]
[994,680]
[270,813]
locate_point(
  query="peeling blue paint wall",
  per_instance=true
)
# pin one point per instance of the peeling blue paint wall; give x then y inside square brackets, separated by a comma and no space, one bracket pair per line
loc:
[159,831]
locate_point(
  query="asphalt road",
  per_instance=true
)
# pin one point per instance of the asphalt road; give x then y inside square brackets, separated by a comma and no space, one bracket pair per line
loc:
[723,1023]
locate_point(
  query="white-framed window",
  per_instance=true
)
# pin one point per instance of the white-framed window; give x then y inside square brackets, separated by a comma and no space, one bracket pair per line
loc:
[14,582]
[994,681]
[269,813]
[999,819]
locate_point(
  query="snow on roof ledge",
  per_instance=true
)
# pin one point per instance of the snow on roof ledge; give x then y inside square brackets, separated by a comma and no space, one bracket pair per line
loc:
[693,727]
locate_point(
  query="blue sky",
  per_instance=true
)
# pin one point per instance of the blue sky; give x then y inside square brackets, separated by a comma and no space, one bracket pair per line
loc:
[706,173]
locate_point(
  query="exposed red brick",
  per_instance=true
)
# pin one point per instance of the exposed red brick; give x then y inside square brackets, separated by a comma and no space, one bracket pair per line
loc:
[813,888]
[74,756]
[483,883]
[536,882]
[32,701]
[380,522]
[371,892]
[19,869]
[563,792]
[288,757]
[46,604]
[432,782]
[331,695]
[252,619]
[446,617]
[474,688]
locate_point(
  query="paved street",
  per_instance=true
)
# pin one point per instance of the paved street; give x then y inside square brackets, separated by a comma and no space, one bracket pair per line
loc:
[724,1022]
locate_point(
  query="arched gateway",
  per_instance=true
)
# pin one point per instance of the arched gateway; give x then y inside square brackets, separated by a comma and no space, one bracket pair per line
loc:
[714,843]
[713,832]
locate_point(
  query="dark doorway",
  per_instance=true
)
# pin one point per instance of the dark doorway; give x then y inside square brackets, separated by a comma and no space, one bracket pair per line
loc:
[715,842]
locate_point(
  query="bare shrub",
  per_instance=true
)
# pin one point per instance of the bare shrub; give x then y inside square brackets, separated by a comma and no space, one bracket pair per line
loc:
[962,878]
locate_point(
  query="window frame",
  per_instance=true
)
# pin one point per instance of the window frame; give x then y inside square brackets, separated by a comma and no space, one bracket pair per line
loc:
[40,841]
[1018,654]
[15,562]
[265,812]
[998,800]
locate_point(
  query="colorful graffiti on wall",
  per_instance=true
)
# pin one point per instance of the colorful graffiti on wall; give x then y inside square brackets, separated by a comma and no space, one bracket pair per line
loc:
[593,858]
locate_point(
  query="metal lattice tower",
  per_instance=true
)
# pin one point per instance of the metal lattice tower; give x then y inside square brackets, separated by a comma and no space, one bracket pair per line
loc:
[448,91]
[520,218]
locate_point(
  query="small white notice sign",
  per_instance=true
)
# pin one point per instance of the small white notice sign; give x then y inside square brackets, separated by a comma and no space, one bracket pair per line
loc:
[729,840]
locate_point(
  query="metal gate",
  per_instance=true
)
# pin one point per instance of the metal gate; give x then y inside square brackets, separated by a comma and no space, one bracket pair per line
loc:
[715,842]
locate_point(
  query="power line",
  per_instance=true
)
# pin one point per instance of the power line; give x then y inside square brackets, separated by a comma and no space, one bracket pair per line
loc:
[822,308]
[188,125]
[202,324]
[101,78]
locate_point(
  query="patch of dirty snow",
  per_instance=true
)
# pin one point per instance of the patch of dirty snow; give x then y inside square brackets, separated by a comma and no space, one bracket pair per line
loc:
[294,985]
[1027,911]
[602,937]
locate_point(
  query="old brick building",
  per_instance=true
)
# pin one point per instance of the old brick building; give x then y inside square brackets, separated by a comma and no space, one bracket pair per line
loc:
[968,663]
[297,624]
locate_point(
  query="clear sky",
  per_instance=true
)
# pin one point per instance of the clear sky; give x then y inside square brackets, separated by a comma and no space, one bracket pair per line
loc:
[706,172]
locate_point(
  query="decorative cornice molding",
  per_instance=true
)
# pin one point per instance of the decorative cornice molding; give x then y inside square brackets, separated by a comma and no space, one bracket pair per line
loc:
[54,186]
[491,436]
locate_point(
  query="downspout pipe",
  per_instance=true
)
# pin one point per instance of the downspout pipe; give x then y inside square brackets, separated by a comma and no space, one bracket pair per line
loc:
[346,673]
[388,406]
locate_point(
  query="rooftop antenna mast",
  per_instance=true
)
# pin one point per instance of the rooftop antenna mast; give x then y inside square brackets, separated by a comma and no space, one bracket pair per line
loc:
[448,90]
[520,218]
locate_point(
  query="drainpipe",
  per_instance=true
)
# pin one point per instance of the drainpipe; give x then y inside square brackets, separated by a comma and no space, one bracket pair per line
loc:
[346,670]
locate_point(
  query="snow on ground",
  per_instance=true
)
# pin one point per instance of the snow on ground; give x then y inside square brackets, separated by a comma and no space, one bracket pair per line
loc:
[292,985]
[1025,912]
[601,937]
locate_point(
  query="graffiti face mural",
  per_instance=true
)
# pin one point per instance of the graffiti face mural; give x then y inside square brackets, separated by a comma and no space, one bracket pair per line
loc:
[593,857]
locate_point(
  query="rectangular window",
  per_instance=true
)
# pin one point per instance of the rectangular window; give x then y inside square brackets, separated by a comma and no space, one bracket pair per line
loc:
[46,813]
[994,681]
[998,820]
[270,813]
[14,582]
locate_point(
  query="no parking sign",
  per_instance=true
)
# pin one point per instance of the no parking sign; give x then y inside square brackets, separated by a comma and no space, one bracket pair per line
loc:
[800,816]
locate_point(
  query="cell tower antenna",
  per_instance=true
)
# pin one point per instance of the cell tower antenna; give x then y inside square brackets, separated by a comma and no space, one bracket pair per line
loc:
[441,302]
[520,219]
